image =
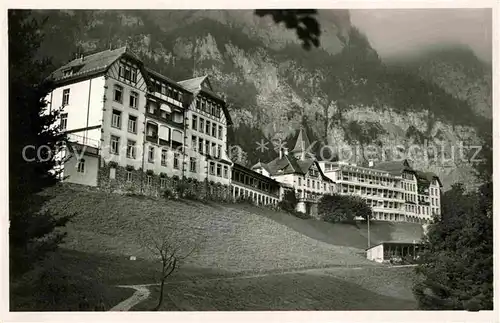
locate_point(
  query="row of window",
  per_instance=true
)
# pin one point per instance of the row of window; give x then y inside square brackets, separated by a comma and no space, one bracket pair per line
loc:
[384,204]
[206,147]
[167,90]
[256,197]
[217,168]
[205,126]
[208,106]
[248,180]
[119,94]
[373,180]
[419,209]
[434,191]
[370,191]
[127,72]
[315,184]
[409,187]
[410,197]
[116,121]
[434,202]
[362,177]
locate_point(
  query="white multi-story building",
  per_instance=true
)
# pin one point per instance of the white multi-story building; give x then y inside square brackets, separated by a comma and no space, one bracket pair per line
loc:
[128,123]
[394,190]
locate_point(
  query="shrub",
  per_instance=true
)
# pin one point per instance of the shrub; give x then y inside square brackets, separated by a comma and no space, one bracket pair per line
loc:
[289,202]
[341,208]
[300,215]
[169,193]
[52,287]
[243,199]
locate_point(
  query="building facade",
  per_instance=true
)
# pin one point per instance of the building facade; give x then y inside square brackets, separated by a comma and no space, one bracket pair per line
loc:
[394,190]
[300,171]
[131,127]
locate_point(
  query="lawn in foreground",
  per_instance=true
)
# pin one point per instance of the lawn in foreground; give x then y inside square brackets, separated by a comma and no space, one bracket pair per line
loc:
[320,289]
[235,239]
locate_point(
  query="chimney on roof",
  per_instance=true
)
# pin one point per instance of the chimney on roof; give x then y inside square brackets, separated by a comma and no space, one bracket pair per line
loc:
[370,163]
[82,57]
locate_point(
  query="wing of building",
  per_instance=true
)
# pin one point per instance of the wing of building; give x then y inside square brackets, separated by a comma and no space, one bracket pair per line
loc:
[132,127]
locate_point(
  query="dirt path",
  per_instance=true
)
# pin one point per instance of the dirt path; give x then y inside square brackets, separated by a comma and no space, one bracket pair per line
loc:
[141,294]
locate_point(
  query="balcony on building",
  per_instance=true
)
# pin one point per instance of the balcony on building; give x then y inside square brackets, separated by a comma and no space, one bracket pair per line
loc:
[162,135]
[166,113]
[80,142]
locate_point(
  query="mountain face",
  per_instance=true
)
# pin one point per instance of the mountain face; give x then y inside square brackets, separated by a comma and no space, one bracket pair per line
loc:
[342,93]
[458,71]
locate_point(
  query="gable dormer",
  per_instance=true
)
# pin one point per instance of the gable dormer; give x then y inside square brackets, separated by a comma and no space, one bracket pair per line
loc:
[205,84]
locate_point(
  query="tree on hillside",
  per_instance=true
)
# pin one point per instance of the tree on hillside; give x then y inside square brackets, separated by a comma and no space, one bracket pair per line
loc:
[457,263]
[33,144]
[343,208]
[169,243]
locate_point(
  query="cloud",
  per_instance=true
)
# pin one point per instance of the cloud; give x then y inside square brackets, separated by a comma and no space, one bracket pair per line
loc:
[401,32]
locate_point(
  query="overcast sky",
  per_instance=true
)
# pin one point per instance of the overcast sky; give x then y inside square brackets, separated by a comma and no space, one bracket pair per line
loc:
[406,31]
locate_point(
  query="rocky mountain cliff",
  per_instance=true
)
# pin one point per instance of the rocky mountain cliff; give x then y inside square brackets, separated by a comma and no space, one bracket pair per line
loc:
[342,93]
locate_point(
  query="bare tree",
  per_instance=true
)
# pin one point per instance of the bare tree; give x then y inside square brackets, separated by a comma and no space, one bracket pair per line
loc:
[170,242]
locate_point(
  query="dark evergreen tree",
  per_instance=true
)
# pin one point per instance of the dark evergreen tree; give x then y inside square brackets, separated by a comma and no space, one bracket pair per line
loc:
[33,144]
[456,272]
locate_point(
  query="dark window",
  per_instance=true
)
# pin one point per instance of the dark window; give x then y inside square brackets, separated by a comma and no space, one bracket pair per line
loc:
[133,100]
[118,96]
[195,123]
[192,167]
[65,98]
[151,154]
[116,119]
[164,157]
[176,160]
[115,145]
[81,166]
[132,124]
[64,121]
[131,149]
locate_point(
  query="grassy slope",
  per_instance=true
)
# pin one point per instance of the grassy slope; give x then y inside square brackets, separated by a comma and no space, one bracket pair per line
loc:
[323,289]
[347,234]
[237,240]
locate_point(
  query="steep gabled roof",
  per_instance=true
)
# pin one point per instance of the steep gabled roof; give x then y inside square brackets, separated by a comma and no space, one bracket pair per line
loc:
[89,65]
[193,84]
[427,177]
[165,78]
[288,164]
[281,166]
[393,167]
[261,165]
[94,65]
[302,142]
